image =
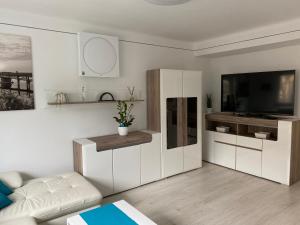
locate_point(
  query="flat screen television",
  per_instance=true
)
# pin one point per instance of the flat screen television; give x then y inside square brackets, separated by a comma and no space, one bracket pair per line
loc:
[261,93]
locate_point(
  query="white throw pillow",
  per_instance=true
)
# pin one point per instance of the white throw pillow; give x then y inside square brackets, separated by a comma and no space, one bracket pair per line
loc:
[12,179]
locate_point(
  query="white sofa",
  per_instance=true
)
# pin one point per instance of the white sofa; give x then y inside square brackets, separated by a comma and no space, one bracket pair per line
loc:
[48,200]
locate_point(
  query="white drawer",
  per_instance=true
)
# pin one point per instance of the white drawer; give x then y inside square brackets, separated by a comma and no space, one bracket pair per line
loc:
[225,138]
[249,142]
[248,161]
[225,155]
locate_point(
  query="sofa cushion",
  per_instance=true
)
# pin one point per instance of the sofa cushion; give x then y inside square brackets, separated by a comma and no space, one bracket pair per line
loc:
[20,221]
[51,197]
[4,201]
[4,189]
[63,219]
[12,179]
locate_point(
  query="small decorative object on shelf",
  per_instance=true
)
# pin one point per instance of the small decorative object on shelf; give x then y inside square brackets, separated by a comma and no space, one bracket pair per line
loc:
[61,98]
[223,129]
[262,135]
[125,117]
[103,97]
[131,93]
[209,103]
[83,93]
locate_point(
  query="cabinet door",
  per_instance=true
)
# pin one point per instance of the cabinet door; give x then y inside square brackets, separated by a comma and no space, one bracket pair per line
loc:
[172,155]
[192,84]
[192,92]
[208,147]
[248,161]
[97,168]
[192,157]
[191,134]
[126,168]
[174,123]
[173,161]
[276,155]
[172,138]
[225,155]
[171,83]
[150,160]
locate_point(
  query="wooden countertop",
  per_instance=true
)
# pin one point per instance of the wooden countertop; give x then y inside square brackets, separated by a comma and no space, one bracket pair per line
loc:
[230,118]
[115,141]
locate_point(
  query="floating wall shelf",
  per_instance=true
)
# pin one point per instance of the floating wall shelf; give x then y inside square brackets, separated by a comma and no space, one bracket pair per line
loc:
[92,102]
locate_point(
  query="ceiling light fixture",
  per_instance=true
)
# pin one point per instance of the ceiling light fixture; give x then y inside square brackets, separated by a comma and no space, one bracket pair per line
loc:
[167,2]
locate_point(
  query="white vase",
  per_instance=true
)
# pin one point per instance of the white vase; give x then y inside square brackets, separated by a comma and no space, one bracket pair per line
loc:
[123,131]
[209,110]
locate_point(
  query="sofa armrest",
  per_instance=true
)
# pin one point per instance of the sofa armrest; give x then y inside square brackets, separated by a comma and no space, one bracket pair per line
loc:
[12,179]
[20,221]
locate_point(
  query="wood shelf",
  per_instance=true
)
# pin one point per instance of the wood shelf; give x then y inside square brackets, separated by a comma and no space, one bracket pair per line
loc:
[115,141]
[91,102]
[242,126]
[230,118]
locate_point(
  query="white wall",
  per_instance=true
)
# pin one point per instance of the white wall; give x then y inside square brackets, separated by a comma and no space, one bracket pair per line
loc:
[39,142]
[281,58]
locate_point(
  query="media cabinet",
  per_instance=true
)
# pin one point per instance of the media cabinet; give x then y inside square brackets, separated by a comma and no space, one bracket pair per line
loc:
[276,159]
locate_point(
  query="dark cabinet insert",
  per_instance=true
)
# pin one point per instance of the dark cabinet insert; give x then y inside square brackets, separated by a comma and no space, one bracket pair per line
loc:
[181,122]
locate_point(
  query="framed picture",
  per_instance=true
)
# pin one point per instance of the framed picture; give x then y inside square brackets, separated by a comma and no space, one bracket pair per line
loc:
[16,78]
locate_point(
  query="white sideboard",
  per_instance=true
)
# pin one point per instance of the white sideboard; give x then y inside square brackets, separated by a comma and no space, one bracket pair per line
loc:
[119,169]
[276,159]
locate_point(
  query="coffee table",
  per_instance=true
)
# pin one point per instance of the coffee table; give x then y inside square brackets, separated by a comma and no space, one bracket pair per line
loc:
[118,213]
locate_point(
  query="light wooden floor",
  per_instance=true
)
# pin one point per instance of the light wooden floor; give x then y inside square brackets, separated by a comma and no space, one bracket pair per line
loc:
[214,195]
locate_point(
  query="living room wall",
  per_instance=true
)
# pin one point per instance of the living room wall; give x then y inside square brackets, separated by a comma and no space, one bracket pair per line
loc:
[275,58]
[39,142]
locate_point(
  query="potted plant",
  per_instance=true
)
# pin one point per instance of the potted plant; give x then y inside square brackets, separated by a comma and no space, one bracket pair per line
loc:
[125,118]
[209,103]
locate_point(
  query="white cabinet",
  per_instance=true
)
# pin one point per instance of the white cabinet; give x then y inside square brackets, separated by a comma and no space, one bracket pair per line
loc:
[98,169]
[180,84]
[208,148]
[117,170]
[150,160]
[248,161]
[274,159]
[224,155]
[126,168]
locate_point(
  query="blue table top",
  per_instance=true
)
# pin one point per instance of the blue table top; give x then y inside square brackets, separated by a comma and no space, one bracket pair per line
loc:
[107,215]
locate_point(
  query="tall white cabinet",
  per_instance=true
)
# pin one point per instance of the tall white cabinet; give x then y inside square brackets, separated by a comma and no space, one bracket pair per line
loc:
[174,110]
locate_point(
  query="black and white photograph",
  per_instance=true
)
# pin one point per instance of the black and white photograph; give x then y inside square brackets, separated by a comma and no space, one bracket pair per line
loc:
[16,78]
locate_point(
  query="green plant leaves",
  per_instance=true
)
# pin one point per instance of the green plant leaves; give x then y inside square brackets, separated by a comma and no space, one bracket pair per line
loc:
[125,118]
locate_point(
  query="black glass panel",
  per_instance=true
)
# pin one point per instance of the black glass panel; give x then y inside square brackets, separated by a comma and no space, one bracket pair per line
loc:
[191,121]
[172,123]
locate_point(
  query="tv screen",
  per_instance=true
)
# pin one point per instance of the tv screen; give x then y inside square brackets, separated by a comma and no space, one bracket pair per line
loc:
[259,93]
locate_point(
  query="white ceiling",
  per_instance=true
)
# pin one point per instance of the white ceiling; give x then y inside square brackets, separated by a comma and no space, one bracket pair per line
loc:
[194,21]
